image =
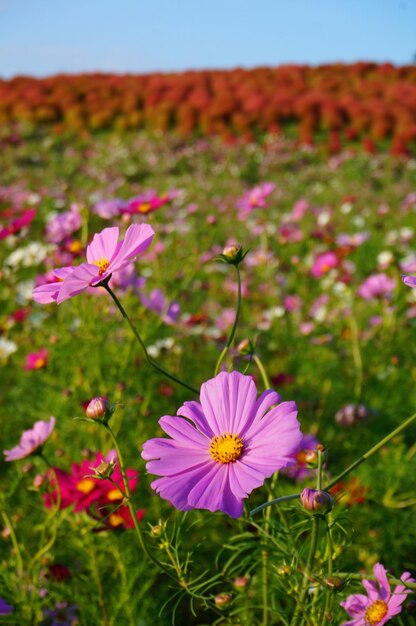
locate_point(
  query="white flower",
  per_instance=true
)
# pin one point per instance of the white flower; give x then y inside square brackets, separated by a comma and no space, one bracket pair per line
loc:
[7,348]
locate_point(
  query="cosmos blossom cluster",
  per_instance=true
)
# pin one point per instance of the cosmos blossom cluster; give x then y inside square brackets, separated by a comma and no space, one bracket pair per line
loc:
[218,449]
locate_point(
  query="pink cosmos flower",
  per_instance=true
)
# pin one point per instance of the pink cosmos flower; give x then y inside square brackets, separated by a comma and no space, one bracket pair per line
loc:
[105,254]
[48,291]
[254,199]
[380,604]
[222,447]
[31,440]
[376,286]
[323,263]
[36,360]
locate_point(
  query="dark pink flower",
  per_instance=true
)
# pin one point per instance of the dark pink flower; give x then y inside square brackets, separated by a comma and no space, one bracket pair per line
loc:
[36,360]
[323,263]
[31,440]
[380,604]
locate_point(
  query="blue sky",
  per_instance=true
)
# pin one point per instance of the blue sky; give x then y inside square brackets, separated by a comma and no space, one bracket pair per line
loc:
[43,37]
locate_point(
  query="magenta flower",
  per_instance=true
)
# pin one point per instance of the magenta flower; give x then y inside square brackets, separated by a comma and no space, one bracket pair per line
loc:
[376,286]
[31,440]
[230,445]
[37,360]
[380,604]
[105,254]
[323,263]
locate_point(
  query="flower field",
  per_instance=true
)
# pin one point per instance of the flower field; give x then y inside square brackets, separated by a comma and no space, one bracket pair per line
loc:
[362,103]
[192,329]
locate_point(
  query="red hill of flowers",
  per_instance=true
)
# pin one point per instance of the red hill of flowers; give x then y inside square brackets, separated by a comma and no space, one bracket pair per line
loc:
[363,102]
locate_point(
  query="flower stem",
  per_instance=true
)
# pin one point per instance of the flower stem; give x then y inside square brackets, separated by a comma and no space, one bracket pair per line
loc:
[371,451]
[137,527]
[265,378]
[308,569]
[356,355]
[349,469]
[234,328]
[149,359]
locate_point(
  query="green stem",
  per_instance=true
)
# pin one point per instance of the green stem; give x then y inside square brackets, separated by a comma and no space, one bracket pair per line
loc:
[356,355]
[137,528]
[392,579]
[349,469]
[329,594]
[149,359]
[15,543]
[263,373]
[234,328]
[371,451]
[308,570]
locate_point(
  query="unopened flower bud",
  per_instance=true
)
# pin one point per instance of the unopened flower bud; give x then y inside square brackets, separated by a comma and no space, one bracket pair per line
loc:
[97,408]
[233,254]
[241,582]
[245,347]
[311,458]
[284,570]
[222,599]
[104,469]
[156,530]
[335,583]
[316,501]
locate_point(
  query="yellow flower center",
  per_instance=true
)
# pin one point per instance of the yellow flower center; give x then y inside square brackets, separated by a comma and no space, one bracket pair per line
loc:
[375,612]
[86,485]
[39,363]
[75,246]
[115,520]
[114,494]
[144,207]
[226,448]
[102,265]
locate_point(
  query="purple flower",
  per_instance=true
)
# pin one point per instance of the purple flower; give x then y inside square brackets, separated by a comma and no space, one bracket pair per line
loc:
[410,281]
[300,470]
[156,302]
[254,199]
[5,608]
[376,286]
[61,226]
[380,604]
[230,445]
[31,440]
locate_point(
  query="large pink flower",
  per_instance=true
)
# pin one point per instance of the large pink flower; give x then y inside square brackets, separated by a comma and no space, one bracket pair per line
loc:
[105,254]
[380,604]
[31,440]
[230,445]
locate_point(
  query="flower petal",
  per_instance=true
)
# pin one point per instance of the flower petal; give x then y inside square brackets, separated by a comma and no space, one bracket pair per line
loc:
[227,401]
[138,238]
[193,411]
[181,430]
[79,280]
[103,245]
